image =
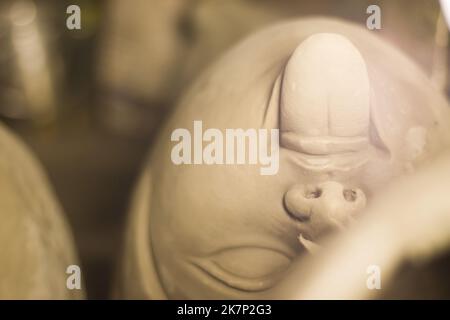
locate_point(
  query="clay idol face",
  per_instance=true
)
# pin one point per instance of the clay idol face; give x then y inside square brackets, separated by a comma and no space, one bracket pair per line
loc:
[226,231]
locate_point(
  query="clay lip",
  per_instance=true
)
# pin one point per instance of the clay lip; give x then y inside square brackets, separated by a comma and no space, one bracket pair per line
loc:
[309,245]
[309,239]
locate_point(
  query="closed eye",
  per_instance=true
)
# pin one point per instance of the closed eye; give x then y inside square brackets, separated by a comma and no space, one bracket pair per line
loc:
[244,268]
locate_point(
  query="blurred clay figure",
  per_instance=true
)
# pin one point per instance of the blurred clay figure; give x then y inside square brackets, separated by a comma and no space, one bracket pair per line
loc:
[141,47]
[353,113]
[140,53]
[36,246]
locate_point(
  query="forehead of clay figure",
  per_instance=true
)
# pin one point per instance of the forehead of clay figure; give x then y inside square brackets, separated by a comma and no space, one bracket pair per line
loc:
[221,231]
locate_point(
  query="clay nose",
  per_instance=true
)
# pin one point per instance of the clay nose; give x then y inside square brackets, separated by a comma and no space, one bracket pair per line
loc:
[324,206]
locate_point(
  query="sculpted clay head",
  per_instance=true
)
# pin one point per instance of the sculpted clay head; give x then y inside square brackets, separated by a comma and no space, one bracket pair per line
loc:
[352,112]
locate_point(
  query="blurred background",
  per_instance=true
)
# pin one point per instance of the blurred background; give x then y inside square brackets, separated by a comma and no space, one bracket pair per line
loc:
[89,102]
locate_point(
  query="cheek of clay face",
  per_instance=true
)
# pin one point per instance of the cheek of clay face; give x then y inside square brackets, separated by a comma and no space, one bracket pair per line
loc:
[226,231]
[236,242]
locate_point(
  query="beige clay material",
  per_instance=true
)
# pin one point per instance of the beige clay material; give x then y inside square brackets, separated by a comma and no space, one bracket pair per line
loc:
[408,222]
[225,231]
[36,245]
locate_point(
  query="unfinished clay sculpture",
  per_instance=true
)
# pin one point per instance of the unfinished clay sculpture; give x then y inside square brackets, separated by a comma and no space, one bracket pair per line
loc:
[352,113]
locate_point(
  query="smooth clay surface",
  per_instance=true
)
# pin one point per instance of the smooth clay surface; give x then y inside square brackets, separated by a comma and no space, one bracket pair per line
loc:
[353,112]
